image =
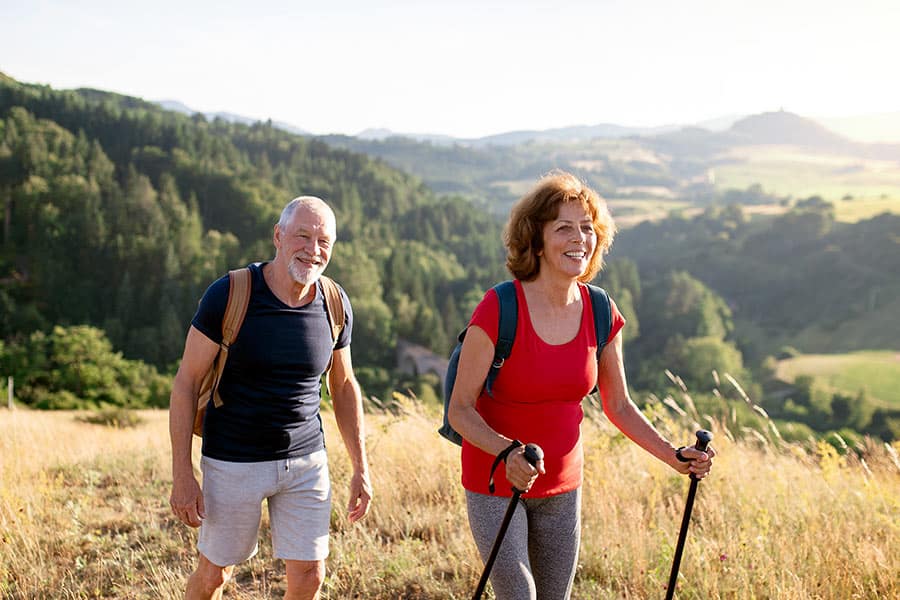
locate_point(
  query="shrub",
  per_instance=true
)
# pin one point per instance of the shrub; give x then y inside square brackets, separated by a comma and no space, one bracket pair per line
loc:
[76,367]
[119,418]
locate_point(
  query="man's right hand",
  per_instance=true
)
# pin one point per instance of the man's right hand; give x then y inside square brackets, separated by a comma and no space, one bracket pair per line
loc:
[187,501]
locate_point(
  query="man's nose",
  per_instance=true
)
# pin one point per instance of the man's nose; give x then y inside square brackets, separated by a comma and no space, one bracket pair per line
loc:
[309,245]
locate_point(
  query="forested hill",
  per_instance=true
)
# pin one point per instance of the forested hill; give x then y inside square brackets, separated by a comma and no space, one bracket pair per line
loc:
[800,279]
[118,214]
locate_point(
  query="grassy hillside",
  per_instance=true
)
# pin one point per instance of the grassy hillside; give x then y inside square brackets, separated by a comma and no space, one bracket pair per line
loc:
[88,516]
[861,187]
[789,156]
[100,187]
[877,373]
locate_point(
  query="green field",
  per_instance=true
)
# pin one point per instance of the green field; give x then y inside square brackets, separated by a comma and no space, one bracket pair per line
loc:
[630,211]
[859,187]
[876,372]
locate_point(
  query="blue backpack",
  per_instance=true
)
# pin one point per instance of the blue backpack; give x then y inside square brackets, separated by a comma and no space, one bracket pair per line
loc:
[506,334]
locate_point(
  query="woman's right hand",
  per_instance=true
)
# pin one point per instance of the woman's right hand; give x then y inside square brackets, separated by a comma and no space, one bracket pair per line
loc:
[519,472]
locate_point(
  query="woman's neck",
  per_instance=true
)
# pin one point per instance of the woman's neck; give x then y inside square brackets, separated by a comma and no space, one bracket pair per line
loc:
[559,293]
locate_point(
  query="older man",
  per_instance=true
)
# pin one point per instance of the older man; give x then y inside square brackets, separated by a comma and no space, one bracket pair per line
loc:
[265,441]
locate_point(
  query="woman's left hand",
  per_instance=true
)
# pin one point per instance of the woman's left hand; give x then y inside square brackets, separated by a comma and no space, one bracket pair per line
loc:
[699,462]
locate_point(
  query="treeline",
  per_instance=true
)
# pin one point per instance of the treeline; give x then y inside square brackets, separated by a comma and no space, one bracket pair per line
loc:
[726,294]
[489,174]
[784,277]
[118,214]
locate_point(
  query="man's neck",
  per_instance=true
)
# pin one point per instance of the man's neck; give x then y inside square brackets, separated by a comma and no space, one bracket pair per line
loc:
[284,287]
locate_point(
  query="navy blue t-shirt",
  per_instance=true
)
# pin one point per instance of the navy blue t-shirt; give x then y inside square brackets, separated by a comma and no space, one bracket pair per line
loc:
[270,388]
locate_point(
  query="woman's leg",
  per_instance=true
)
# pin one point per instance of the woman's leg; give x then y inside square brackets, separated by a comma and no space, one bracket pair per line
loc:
[511,575]
[554,536]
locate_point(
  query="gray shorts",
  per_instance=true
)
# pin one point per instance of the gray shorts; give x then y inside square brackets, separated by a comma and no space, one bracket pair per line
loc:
[298,493]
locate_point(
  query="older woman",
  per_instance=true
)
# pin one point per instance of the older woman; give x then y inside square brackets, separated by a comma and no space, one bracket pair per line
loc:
[556,238]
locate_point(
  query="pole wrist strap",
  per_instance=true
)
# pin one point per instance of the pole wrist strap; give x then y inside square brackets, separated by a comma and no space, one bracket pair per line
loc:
[502,456]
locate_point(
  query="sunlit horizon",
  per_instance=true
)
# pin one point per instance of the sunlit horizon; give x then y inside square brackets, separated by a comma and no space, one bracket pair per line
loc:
[470,69]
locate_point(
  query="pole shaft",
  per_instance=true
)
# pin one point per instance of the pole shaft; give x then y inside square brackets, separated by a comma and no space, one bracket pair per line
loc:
[703,439]
[510,510]
[682,536]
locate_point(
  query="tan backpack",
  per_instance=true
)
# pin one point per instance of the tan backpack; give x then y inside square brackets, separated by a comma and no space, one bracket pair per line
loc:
[235,311]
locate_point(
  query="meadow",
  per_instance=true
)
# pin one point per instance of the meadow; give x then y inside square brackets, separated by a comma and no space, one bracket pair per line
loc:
[860,188]
[875,372]
[84,514]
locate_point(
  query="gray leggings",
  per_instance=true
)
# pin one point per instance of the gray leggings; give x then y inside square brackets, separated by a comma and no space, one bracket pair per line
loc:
[540,549]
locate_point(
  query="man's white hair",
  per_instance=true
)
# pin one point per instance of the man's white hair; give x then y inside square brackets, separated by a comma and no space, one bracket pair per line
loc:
[312,202]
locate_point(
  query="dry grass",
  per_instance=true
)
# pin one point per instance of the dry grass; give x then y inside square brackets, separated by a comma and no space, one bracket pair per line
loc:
[84,514]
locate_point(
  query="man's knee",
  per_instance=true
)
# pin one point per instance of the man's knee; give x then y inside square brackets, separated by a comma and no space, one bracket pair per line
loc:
[209,577]
[305,574]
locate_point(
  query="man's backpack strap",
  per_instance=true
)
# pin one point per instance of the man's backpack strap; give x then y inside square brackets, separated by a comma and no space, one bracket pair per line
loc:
[235,311]
[334,304]
[506,330]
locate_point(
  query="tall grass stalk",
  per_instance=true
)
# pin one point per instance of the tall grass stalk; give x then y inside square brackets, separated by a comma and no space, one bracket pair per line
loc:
[84,514]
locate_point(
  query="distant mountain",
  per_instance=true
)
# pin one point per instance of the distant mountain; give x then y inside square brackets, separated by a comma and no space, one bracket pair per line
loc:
[781,127]
[182,108]
[768,129]
[787,128]
[720,123]
[575,133]
[381,134]
[177,106]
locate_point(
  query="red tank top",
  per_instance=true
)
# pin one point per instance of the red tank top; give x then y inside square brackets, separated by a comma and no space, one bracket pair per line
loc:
[537,398]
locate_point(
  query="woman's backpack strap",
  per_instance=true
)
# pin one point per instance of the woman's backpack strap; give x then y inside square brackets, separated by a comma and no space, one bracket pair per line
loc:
[602,310]
[506,330]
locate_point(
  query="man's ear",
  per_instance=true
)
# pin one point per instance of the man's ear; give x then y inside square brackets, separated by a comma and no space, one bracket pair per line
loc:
[276,236]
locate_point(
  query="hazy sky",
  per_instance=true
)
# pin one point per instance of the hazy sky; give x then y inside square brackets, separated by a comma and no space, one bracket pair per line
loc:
[468,68]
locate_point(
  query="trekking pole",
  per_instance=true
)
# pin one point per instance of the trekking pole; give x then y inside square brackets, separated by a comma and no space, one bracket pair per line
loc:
[703,439]
[533,453]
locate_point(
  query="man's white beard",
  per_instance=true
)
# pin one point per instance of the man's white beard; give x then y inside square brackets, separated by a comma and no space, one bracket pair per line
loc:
[304,273]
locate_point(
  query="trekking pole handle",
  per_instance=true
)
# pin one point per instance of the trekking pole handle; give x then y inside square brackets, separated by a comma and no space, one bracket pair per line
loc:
[533,453]
[703,439]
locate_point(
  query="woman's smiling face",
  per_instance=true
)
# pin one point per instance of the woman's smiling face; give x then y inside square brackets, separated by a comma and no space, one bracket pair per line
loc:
[569,241]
